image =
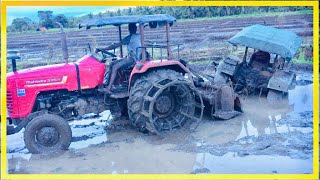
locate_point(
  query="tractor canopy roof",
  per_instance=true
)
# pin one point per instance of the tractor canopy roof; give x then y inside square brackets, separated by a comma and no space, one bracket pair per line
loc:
[154,21]
[268,39]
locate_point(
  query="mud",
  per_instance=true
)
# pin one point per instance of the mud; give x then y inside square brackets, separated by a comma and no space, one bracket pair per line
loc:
[293,144]
[280,140]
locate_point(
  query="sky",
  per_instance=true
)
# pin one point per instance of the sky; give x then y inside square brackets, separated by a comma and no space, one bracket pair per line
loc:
[31,11]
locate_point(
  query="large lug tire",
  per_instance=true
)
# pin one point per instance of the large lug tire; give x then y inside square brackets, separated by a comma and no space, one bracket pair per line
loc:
[47,133]
[119,108]
[170,107]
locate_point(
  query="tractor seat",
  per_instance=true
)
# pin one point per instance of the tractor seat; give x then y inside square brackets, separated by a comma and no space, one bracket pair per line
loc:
[260,60]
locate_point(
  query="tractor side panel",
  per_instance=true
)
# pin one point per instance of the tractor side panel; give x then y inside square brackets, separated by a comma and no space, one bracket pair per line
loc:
[142,67]
[229,65]
[226,68]
[24,88]
[281,80]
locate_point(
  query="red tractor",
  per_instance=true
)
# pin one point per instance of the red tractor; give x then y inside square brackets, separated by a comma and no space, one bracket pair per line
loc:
[157,95]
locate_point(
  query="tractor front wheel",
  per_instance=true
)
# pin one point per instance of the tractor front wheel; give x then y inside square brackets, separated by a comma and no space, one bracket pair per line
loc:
[47,133]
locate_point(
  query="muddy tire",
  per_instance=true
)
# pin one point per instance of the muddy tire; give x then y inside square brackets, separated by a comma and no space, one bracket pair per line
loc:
[47,133]
[170,107]
[119,108]
[277,98]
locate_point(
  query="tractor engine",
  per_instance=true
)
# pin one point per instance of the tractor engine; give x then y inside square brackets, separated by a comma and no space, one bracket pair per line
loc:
[70,105]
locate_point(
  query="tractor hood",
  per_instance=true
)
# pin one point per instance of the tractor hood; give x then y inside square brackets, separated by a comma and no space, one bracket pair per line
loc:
[53,70]
[44,78]
[40,71]
[66,74]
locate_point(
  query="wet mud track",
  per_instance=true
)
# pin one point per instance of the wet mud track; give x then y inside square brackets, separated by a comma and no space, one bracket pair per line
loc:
[262,140]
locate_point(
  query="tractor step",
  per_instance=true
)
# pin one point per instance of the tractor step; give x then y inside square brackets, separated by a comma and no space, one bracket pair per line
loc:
[118,95]
[117,92]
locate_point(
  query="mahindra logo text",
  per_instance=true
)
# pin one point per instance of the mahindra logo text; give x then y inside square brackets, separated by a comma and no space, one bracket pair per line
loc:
[40,81]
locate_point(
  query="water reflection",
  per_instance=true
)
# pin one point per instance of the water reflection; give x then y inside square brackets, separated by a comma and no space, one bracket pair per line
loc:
[259,119]
[230,162]
[301,98]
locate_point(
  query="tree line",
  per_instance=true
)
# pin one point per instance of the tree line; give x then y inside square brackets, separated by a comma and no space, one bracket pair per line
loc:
[47,19]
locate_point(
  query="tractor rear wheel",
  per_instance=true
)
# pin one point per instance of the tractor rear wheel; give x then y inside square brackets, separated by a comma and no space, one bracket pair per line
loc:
[160,100]
[47,133]
[119,108]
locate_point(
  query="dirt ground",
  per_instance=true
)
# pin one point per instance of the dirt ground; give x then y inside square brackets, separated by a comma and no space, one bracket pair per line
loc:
[278,139]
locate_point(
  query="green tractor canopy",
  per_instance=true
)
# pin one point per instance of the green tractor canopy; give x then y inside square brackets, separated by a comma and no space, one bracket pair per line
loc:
[268,39]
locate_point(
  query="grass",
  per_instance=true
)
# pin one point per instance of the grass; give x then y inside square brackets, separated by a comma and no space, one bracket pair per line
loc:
[32,63]
[301,58]
[54,30]
[250,15]
[37,32]
[179,20]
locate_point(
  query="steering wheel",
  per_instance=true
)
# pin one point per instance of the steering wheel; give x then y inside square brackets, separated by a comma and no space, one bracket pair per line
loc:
[105,53]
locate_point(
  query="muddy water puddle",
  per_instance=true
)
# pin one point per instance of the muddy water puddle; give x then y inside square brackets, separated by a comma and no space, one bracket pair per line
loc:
[278,139]
[251,164]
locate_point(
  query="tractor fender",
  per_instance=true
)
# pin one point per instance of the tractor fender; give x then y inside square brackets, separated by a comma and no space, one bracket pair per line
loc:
[144,67]
[225,69]
[281,80]
[23,123]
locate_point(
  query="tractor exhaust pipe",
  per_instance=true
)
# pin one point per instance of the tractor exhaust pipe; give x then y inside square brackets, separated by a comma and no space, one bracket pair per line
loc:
[63,43]
[13,55]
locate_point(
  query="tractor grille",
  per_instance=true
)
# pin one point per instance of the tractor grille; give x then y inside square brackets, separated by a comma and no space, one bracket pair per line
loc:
[9,102]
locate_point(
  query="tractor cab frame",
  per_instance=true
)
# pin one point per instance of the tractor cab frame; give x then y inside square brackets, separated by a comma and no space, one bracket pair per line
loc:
[153,21]
[127,78]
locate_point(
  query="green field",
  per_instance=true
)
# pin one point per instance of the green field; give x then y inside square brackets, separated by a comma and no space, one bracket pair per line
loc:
[262,14]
